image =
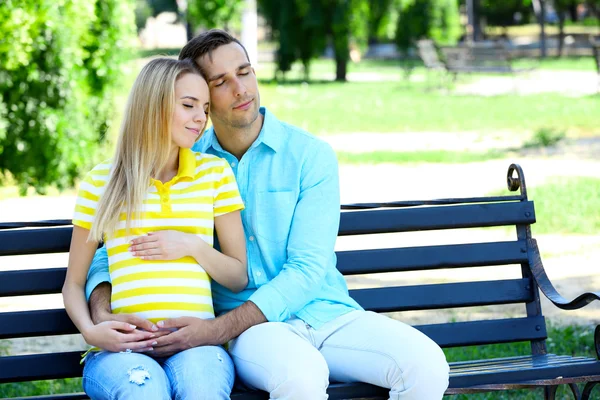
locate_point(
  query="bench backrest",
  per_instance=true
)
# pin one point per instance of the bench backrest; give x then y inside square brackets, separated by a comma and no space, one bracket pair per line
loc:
[429,54]
[476,55]
[380,219]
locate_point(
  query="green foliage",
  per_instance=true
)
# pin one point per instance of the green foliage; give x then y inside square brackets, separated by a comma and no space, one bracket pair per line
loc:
[214,13]
[545,137]
[438,20]
[302,29]
[60,61]
[143,11]
[159,6]
[502,13]
[36,388]
[380,14]
[4,347]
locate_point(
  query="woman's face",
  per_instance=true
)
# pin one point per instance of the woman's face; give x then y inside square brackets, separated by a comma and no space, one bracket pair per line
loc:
[191,110]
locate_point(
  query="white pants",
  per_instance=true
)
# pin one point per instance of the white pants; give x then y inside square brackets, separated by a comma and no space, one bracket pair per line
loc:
[291,360]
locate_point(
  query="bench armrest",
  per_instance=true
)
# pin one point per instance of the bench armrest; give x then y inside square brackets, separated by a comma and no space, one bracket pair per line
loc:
[542,280]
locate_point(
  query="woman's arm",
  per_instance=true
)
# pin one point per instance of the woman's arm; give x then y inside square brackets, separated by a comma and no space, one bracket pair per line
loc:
[227,267]
[105,335]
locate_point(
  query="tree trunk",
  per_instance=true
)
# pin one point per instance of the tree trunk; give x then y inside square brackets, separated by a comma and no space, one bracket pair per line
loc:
[341,64]
[561,33]
[539,7]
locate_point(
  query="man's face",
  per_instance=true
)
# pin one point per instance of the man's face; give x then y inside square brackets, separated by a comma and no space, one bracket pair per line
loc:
[234,97]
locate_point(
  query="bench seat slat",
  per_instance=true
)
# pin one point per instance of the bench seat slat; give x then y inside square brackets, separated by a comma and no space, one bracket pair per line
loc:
[537,371]
[431,218]
[431,257]
[447,295]
[486,332]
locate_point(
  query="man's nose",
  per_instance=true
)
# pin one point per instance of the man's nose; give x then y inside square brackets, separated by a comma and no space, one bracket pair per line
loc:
[239,88]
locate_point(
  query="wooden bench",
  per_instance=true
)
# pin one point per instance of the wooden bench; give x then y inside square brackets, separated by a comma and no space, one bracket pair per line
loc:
[535,370]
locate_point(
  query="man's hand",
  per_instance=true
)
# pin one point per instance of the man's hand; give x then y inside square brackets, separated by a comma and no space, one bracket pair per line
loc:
[191,332]
[142,330]
[161,245]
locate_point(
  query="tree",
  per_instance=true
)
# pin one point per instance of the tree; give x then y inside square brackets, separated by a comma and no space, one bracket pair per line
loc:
[379,14]
[302,29]
[437,20]
[60,64]
[214,13]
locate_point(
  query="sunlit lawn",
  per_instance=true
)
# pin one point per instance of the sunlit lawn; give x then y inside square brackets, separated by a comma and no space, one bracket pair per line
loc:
[325,108]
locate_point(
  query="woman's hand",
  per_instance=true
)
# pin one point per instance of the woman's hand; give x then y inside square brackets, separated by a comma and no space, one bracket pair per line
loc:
[119,336]
[162,245]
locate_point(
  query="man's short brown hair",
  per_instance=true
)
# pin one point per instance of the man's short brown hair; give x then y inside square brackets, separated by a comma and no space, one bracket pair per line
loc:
[206,43]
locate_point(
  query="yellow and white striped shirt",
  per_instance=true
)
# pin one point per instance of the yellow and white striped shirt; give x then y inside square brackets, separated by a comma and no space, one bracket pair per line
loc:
[203,189]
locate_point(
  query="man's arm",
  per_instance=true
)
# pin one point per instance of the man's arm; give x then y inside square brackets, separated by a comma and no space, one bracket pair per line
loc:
[193,332]
[311,242]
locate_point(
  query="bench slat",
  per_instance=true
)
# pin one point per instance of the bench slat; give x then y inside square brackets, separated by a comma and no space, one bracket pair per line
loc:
[431,257]
[50,280]
[35,323]
[448,295]
[486,332]
[431,218]
[36,366]
[57,240]
[57,322]
[35,241]
[32,282]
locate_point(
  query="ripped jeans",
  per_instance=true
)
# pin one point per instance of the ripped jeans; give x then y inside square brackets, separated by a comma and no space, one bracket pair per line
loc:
[200,373]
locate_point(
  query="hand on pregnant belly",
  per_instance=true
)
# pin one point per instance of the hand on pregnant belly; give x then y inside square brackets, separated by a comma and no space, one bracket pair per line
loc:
[161,245]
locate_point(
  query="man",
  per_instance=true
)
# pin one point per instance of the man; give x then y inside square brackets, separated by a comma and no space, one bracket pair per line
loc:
[294,327]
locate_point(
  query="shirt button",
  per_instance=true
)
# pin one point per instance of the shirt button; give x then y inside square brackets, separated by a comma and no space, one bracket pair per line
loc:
[258,273]
[233,164]
[251,238]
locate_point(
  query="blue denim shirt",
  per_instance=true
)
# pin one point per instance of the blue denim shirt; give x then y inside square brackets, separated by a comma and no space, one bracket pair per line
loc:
[288,180]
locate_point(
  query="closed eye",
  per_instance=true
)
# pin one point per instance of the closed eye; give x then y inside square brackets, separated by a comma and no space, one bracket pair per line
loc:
[188,105]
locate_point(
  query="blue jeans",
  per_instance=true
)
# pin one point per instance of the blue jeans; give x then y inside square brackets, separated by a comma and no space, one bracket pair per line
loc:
[199,373]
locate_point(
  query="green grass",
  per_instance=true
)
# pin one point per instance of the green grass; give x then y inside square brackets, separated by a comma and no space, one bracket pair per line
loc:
[417,157]
[566,205]
[569,340]
[55,386]
[324,108]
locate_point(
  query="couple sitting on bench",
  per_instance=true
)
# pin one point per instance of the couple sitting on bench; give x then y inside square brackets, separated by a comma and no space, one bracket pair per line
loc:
[270,192]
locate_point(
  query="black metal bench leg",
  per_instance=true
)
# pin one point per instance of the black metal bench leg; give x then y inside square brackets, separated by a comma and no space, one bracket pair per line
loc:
[550,391]
[587,390]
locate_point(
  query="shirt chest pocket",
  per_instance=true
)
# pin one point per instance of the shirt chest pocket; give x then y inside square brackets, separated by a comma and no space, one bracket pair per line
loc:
[273,216]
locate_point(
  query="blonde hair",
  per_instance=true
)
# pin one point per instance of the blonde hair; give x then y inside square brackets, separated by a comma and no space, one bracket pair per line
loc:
[144,143]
